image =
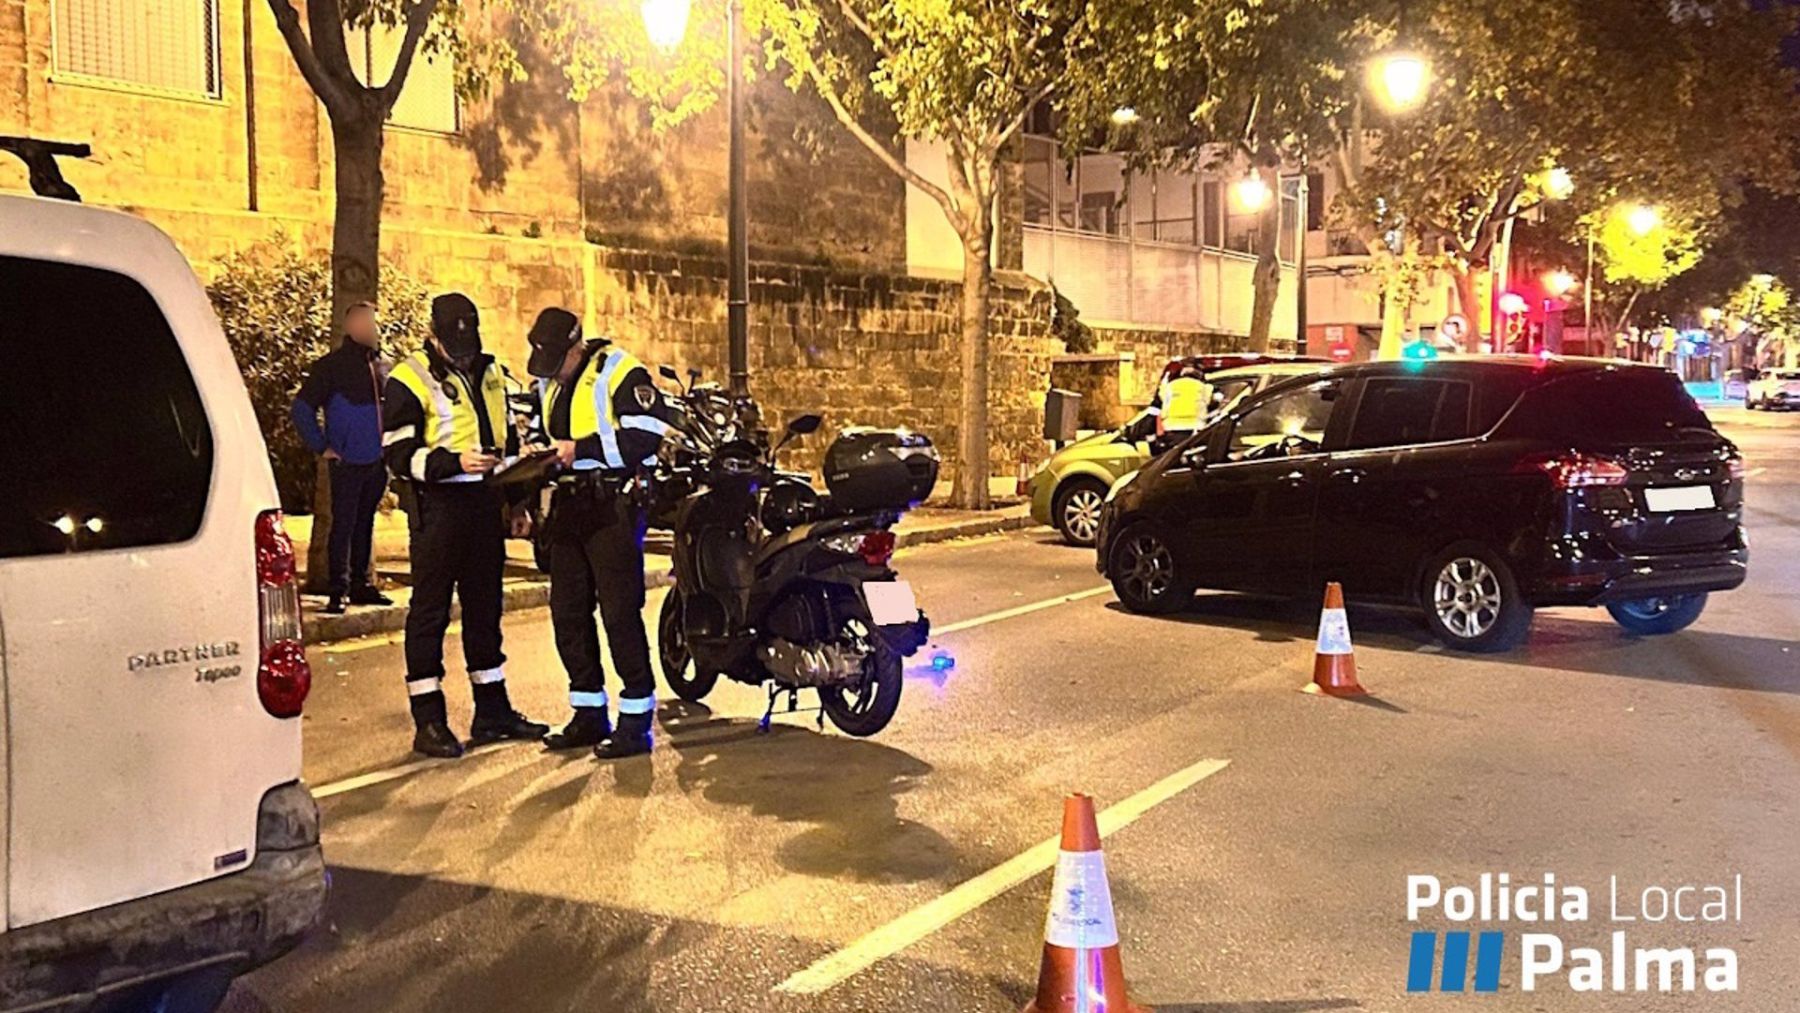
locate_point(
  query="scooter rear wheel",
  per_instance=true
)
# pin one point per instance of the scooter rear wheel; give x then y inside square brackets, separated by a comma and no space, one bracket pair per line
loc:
[679,671]
[866,709]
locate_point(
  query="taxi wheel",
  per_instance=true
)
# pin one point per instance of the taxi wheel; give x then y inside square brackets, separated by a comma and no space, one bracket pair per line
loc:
[1077,511]
[1145,575]
[1650,617]
[1472,602]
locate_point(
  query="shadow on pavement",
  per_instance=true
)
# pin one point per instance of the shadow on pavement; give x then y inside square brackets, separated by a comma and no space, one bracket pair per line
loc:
[846,789]
[1557,643]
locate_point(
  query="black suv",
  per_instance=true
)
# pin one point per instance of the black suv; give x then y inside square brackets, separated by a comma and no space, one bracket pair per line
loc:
[1473,489]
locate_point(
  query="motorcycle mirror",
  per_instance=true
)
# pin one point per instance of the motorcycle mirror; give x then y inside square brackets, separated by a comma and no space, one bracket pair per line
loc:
[804,424]
[667,372]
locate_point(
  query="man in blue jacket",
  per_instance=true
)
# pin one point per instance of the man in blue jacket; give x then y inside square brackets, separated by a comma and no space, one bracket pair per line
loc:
[346,385]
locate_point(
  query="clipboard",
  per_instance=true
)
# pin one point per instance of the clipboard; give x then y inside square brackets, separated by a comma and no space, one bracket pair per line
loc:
[525,469]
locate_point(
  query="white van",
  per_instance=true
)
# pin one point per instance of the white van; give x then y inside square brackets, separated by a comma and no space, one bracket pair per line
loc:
[156,838]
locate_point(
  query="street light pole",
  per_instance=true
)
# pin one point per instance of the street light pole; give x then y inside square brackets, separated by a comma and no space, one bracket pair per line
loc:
[737,254]
[1305,216]
[1587,296]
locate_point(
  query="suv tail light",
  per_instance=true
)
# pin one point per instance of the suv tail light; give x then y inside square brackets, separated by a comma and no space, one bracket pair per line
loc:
[1577,470]
[1734,468]
[877,548]
[283,677]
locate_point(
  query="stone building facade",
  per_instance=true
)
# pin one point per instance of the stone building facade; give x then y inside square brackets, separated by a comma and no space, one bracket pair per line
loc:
[529,199]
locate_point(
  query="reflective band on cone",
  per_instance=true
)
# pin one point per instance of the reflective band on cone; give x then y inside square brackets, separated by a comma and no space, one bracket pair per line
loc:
[1334,659]
[1080,970]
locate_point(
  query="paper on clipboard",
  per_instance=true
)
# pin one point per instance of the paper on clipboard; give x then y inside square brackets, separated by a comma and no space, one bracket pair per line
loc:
[533,467]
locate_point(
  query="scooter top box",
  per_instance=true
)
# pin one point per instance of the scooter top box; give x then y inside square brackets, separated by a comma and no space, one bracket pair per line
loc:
[880,469]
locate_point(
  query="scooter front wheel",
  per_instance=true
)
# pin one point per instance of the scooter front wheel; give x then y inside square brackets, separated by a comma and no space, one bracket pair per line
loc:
[866,708]
[679,671]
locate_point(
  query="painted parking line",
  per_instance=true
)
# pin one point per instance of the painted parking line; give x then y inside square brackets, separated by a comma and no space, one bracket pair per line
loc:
[408,769]
[934,914]
[1020,610]
[379,640]
[376,777]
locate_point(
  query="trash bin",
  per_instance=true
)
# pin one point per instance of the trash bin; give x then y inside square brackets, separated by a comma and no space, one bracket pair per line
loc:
[1062,412]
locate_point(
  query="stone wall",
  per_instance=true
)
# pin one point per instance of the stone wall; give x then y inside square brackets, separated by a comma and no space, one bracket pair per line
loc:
[1153,349]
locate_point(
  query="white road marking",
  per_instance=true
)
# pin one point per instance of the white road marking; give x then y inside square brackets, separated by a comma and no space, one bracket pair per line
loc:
[408,769]
[1753,472]
[1020,610]
[934,914]
[375,777]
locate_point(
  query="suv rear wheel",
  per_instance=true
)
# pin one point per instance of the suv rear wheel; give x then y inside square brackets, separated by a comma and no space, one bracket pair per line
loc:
[1472,602]
[1145,575]
[1649,617]
[1077,512]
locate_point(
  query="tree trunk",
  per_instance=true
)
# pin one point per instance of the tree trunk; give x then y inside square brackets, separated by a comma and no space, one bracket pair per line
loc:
[1266,282]
[970,489]
[1466,301]
[355,266]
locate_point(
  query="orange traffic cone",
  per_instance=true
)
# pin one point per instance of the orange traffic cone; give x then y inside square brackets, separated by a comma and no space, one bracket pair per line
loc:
[1080,970]
[1334,660]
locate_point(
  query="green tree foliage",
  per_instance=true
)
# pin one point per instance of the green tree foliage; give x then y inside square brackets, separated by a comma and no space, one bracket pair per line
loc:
[274,302]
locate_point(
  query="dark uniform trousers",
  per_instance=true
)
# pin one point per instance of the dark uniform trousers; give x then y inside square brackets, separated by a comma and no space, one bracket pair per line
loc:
[597,556]
[458,545]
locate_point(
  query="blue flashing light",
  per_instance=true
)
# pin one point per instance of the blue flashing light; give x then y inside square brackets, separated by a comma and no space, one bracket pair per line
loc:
[941,661]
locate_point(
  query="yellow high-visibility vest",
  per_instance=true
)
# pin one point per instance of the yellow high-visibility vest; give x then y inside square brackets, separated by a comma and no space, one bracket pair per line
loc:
[1184,403]
[591,412]
[451,422]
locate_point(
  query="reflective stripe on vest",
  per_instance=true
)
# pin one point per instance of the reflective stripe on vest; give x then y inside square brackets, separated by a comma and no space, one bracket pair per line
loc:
[452,424]
[591,413]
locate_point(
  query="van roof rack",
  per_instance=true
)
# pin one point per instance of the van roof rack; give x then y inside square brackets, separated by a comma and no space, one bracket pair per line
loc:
[40,157]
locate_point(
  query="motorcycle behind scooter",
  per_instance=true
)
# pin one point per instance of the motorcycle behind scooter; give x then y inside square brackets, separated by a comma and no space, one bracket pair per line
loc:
[777,584]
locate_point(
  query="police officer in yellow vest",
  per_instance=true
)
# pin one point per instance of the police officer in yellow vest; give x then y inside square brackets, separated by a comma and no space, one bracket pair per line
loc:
[605,417]
[445,426]
[1182,403]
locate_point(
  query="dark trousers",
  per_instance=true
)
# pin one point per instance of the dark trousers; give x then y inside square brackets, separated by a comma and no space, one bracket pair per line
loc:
[356,491]
[597,557]
[458,545]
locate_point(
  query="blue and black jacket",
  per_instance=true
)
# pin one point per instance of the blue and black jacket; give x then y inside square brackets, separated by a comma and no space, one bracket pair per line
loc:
[346,384]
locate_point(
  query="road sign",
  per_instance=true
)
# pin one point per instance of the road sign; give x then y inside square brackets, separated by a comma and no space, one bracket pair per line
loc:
[1454,328]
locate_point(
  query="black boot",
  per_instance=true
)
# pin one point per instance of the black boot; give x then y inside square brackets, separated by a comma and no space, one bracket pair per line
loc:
[368,595]
[435,739]
[494,726]
[632,738]
[334,607]
[588,728]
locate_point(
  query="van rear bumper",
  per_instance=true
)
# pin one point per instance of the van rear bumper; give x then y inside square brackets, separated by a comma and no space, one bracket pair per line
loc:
[226,925]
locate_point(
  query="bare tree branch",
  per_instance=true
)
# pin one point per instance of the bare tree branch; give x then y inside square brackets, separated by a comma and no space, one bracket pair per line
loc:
[1014,125]
[880,149]
[323,83]
[418,18]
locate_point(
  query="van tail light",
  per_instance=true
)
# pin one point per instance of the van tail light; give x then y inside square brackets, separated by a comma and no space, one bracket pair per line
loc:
[877,548]
[283,677]
[1734,467]
[1577,470]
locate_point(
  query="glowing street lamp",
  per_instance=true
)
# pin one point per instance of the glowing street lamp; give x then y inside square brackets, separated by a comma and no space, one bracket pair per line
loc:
[1559,283]
[665,21]
[1124,116]
[1250,194]
[1643,219]
[1711,316]
[1400,80]
[1558,184]
[1512,303]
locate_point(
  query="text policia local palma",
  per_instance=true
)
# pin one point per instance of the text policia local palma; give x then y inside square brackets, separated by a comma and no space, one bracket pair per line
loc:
[1496,898]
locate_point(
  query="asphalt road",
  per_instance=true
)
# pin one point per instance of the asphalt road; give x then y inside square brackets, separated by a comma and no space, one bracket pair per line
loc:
[1275,881]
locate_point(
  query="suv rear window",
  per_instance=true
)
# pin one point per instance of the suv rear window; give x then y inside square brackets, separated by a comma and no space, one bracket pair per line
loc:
[1609,406]
[103,438]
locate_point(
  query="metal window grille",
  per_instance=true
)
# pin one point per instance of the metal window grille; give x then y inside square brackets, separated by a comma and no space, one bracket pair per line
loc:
[162,45]
[428,100]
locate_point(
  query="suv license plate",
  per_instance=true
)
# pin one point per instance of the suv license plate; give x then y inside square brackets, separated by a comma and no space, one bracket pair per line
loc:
[891,602]
[1685,497]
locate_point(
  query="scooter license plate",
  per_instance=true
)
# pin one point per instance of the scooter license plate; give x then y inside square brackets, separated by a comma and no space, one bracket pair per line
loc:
[891,602]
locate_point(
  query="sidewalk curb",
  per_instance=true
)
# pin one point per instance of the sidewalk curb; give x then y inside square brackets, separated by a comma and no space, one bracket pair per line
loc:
[519,595]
